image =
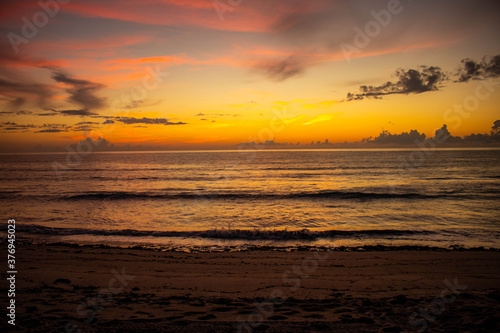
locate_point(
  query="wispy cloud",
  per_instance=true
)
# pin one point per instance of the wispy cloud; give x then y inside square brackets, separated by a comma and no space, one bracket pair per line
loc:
[321,118]
[16,89]
[280,70]
[53,128]
[82,92]
[14,127]
[323,104]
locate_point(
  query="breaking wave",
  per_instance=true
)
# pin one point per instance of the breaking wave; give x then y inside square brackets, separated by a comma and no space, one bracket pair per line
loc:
[232,234]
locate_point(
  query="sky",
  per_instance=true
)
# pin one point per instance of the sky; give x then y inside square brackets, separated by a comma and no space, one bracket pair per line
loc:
[203,74]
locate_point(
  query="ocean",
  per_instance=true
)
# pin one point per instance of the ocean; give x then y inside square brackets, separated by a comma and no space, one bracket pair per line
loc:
[237,200]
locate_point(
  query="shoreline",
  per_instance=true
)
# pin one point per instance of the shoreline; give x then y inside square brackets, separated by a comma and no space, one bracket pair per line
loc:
[258,248]
[111,289]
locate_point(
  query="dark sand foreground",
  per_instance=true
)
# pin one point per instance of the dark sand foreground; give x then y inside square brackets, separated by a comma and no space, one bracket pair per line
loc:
[83,289]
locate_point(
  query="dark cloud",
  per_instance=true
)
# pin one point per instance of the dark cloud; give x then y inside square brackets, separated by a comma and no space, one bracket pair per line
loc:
[404,138]
[81,92]
[100,144]
[17,90]
[481,138]
[495,129]
[108,121]
[323,27]
[83,112]
[87,123]
[410,81]
[47,114]
[54,112]
[24,112]
[83,128]
[16,113]
[53,128]
[443,135]
[45,128]
[280,70]
[10,126]
[16,87]
[17,102]
[469,69]
[270,143]
[144,120]
[494,135]
[134,104]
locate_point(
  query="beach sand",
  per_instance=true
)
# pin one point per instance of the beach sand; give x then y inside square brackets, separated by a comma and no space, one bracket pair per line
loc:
[87,289]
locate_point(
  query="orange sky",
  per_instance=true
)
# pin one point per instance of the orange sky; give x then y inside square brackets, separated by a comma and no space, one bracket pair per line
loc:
[202,74]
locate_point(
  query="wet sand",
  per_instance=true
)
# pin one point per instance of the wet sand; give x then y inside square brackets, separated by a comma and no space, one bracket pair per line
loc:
[85,289]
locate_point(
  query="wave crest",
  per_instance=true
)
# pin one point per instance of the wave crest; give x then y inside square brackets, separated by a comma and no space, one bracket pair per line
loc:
[231,234]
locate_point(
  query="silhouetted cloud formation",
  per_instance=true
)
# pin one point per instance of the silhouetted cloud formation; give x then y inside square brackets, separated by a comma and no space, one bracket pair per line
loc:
[87,123]
[81,92]
[443,135]
[100,144]
[473,70]
[410,81]
[15,113]
[429,78]
[83,112]
[48,114]
[53,128]
[485,138]
[495,129]
[404,138]
[13,127]
[144,120]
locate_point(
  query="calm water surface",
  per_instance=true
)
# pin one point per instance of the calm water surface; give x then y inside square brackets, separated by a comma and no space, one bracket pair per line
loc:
[237,199]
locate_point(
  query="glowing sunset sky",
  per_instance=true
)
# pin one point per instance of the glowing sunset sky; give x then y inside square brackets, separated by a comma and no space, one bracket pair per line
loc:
[191,74]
